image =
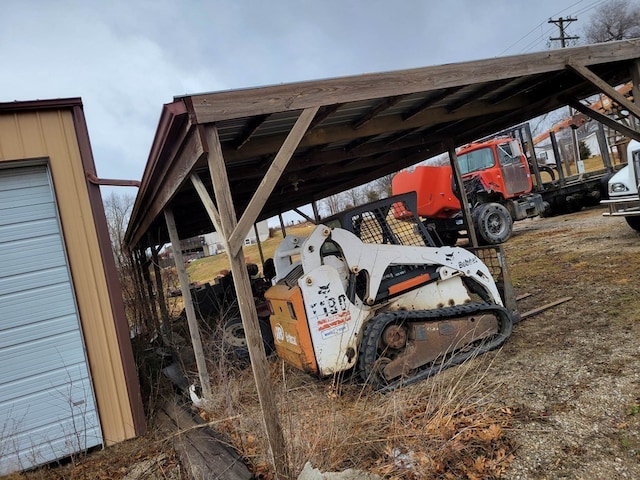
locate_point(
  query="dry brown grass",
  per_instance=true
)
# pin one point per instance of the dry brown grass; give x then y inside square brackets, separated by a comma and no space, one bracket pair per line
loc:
[443,427]
[153,451]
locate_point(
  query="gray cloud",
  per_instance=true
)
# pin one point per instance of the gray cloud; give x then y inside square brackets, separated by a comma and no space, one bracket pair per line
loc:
[127,58]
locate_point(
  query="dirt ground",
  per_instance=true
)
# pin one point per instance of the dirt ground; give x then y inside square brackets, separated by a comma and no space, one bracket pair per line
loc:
[573,372]
[570,376]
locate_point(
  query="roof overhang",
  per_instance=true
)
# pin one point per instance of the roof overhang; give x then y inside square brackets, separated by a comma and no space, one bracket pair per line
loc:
[366,126]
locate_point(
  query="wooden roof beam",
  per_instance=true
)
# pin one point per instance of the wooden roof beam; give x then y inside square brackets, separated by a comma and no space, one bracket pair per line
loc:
[609,122]
[358,143]
[377,126]
[429,102]
[380,168]
[253,125]
[506,121]
[519,86]
[217,106]
[323,114]
[396,137]
[377,110]
[476,94]
[607,89]
[175,174]
[332,157]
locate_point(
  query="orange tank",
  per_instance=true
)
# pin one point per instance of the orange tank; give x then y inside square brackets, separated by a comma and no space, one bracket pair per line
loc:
[433,187]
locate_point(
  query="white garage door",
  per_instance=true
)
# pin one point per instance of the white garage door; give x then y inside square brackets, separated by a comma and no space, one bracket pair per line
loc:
[47,406]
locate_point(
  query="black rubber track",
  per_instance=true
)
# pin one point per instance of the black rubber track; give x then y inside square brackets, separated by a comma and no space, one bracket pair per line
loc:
[368,354]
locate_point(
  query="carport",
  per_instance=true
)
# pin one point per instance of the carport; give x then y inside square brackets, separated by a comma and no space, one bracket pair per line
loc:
[225,160]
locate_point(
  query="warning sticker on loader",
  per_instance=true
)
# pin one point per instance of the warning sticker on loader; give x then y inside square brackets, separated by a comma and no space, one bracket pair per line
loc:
[334,324]
[330,313]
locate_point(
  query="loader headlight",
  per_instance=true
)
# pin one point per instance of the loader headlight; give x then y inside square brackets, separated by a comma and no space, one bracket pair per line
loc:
[618,188]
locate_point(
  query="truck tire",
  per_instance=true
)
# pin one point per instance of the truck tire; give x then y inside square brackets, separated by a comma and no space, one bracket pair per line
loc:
[493,223]
[633,222]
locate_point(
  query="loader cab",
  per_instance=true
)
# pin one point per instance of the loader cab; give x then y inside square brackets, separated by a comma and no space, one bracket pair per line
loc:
[391,221]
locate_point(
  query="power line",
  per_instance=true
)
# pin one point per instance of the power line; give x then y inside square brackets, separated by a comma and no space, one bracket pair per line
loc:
[544,33]
[538,26]
[589,7]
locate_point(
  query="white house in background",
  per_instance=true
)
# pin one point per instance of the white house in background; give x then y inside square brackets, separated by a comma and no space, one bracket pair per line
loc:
[213,241]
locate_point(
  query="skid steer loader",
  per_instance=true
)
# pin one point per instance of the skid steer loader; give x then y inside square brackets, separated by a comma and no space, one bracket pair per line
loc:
[368,293]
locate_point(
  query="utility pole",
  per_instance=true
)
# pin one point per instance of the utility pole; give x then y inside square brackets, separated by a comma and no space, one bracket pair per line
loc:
[560,22]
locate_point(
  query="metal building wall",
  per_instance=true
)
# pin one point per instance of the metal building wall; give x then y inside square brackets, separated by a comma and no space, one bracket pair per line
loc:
[47,406]
[58,137]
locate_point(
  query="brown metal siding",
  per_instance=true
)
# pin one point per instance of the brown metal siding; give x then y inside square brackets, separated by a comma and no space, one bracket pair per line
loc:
[51,134]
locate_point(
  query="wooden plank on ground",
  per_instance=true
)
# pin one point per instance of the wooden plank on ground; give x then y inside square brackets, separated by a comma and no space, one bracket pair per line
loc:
[547,306]
[200,450]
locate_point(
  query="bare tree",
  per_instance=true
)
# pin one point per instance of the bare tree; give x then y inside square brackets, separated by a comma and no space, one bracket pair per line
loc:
[614,20]
[117,210]
[332,204]
[383,185]
[354,197]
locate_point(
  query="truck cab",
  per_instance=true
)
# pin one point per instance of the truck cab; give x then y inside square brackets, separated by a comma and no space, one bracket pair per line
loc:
[622,189]
[499,164]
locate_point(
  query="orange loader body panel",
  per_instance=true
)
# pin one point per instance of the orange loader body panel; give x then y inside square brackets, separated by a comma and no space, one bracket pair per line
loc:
[290,328]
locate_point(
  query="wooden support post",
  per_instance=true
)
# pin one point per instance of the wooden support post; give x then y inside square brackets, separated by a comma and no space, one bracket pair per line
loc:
[508,291]
[316,214]
[144,312]
[558,157]
[282,227]
[466,211]
[259,364]
[576,145]
[165,329]
[255,230]
[146,275]
[532,156]
[192,321]
[635,90]
[604,148]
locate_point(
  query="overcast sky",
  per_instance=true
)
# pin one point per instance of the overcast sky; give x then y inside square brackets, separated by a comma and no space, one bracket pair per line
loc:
[128,58]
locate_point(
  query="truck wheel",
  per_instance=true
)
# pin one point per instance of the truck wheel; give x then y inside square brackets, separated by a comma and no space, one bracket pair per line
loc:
[633,222]
[493,223]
